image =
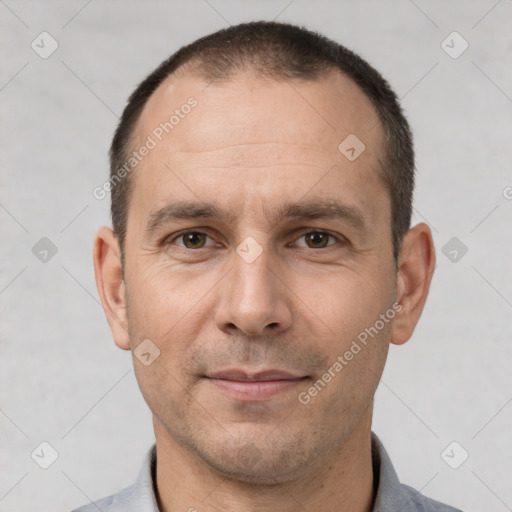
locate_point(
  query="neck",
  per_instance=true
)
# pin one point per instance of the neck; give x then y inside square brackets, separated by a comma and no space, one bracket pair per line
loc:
[341,481]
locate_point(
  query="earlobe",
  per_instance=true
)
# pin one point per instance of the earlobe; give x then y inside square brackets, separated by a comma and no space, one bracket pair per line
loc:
[110,284]
[415,269]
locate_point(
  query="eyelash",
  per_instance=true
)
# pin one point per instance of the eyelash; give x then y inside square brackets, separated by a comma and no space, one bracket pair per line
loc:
[169,240]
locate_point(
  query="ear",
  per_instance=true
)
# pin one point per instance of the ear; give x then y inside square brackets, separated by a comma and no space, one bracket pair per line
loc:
[110,284]
[416,264]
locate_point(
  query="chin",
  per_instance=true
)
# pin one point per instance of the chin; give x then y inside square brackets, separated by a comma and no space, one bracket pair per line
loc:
[266,473]
[260,463]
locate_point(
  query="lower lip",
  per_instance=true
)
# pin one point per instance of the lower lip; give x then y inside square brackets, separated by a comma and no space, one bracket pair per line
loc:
[261,390]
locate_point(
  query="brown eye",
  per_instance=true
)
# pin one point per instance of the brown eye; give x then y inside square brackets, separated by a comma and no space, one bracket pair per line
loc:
[189,240]
[194,240]
[317,239]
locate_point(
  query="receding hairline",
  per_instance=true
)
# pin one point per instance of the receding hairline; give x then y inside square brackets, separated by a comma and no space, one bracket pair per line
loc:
[195,69]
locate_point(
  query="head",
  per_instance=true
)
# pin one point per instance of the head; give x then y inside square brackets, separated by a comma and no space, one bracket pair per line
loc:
[263,231]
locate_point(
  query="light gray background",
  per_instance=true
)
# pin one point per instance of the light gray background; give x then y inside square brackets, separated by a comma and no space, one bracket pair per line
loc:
[62,378]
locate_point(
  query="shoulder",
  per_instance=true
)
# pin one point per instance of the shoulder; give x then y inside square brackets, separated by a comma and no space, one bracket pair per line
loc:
[138,497]
[392,495]
[416,502]
[119,502]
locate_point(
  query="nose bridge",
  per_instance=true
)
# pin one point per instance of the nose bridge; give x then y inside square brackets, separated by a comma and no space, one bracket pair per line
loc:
[253,297]
[252,271]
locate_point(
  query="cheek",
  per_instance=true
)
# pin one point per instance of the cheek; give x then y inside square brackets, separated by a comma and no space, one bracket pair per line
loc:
[162,390]
[163,297]
[344,303]
[356,362]
[345,313]
[169,309]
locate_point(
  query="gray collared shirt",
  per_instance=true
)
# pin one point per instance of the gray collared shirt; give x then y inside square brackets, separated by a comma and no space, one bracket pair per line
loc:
[392,496]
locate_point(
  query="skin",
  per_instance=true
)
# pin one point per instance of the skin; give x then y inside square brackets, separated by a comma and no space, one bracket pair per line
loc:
[249,146]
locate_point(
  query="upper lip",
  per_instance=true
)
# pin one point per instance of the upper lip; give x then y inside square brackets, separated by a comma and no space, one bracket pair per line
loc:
[247,376]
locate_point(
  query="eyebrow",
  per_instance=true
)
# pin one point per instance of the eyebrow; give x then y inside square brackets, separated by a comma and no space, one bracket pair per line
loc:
[305,210]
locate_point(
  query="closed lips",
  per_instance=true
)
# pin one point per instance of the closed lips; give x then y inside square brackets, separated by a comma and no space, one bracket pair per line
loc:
[252,387]
[241,376]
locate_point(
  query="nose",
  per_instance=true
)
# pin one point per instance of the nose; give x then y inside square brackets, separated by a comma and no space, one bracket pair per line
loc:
[253,297]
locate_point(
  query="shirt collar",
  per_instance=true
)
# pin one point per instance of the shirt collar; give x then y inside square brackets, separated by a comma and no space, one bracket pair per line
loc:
[390,494]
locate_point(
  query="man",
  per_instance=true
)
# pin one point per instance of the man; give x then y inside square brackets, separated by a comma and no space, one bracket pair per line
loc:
[260,263]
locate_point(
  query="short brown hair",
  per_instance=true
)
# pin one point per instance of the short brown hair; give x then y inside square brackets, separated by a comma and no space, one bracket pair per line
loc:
[278,51]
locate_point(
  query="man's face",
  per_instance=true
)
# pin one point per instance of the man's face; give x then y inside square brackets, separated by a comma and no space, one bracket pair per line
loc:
[252,296]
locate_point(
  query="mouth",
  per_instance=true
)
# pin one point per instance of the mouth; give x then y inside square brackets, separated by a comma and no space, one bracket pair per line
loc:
[259,386]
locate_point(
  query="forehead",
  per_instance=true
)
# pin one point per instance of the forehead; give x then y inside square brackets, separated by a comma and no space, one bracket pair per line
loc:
[249,136]
[246,107]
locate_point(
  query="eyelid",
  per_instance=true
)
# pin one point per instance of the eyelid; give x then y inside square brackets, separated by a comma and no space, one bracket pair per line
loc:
[297,235]
[339,238]
[168,240]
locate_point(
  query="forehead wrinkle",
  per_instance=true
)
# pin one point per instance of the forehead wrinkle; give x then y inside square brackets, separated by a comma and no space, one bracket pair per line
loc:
[255,155]
[312,209]
[320,158]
